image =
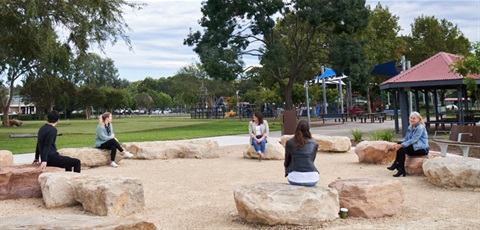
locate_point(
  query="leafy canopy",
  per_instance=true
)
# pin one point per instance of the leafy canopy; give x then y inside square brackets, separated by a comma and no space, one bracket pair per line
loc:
[291,38]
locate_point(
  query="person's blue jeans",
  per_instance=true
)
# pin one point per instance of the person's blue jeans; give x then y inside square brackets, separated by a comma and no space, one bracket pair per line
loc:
[262,147]
[310,184]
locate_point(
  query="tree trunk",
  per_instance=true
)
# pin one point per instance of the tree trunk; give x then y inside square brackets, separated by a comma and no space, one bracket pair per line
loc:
[6,121]
[369,103]
[288,97]
[87,112]
[6,106]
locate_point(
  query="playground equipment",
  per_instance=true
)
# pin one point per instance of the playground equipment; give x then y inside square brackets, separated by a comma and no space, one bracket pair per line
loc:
[218,111]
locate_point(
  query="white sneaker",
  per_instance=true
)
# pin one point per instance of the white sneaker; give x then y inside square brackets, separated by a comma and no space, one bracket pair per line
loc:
[128,154]
[113,164]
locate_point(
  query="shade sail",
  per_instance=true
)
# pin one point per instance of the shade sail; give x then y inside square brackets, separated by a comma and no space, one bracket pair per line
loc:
[328,73]
[387,69]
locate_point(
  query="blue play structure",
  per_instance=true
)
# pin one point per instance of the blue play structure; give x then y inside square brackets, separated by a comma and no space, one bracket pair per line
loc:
[218,111]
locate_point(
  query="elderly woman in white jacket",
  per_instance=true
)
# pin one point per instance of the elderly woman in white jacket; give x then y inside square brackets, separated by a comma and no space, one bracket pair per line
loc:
[258,130]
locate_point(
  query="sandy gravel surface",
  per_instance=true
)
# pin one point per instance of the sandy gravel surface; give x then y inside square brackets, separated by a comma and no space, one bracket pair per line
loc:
[198,193]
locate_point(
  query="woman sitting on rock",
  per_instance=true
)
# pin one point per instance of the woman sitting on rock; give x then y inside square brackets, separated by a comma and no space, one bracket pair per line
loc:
[415,143]
[258,130]
[300,153]
[105,138]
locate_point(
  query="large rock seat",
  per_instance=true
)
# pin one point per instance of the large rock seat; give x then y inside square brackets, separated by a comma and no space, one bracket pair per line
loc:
[414,164]
[369,198]
[100,195]
[199,149]
[273,151]
[375,152]
[6,158]
[60,221]
[21,181]
[276,203]
[339,144]
[380,152]
[453,172]
[89,156]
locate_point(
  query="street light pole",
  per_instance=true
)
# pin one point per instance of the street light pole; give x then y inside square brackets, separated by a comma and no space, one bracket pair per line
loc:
[238,108]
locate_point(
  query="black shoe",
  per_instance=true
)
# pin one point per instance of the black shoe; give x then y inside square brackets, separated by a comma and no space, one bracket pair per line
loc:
[393,167]
[400,172]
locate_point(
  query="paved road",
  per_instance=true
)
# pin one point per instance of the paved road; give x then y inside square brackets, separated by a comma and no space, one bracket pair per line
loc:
[337,129]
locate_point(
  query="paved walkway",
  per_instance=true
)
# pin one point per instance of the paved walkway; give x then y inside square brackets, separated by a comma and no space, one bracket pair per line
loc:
[338,129]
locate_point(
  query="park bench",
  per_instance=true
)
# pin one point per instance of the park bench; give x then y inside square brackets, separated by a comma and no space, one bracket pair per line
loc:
[468,120]
[26,135]
[391,113]
[463,136]
[337,116]
[372,117]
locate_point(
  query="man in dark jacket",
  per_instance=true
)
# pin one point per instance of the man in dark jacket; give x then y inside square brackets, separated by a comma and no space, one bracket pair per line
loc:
[47,150]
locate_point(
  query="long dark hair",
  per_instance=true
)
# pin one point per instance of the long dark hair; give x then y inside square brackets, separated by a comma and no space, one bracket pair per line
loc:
[259,115]
[301,132]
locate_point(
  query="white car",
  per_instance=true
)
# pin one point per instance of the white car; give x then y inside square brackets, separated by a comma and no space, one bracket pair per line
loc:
[451,107]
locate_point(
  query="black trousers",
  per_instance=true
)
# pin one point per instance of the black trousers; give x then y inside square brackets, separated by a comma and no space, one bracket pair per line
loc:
[64,162]
[113,145]
[400,158]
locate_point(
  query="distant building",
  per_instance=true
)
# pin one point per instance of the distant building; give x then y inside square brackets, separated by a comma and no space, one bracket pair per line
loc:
[19,107]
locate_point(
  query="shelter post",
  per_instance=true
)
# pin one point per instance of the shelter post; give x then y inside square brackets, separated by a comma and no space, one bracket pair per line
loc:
[341,94]
[395,110]
[308,103]
[404,110]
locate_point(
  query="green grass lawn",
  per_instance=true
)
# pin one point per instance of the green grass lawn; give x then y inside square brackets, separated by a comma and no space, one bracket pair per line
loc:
[81,133]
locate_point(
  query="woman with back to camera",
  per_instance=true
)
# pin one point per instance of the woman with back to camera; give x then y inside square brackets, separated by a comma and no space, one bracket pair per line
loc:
[105,138]
[300,153]
[415,143]
[258,130]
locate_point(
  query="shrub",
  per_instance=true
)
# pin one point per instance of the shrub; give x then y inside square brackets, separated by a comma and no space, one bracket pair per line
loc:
[382,135]
[357,135]
[387,135]
[376,135]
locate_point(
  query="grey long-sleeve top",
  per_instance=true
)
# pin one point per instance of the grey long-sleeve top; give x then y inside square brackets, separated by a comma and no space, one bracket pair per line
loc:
[300,160]
[102,135]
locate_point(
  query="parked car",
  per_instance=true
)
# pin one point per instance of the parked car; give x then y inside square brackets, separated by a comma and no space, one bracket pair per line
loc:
[451,107]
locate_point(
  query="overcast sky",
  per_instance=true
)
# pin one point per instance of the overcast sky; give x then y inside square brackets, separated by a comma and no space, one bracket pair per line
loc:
[158,31]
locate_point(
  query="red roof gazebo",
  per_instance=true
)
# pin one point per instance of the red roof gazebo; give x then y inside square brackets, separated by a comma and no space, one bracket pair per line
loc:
[428,76]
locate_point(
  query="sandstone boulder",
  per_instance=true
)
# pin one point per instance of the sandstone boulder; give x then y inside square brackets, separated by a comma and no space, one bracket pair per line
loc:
[59,221]
[110,196]
[273,151]
[89,156]
[326,143]
[414,165]
[453,172]
[58,189]
[375,152]
[275,203]
[21,181]
[6,158]
[101,195]
[369,198]
[15,122]
[199,149]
